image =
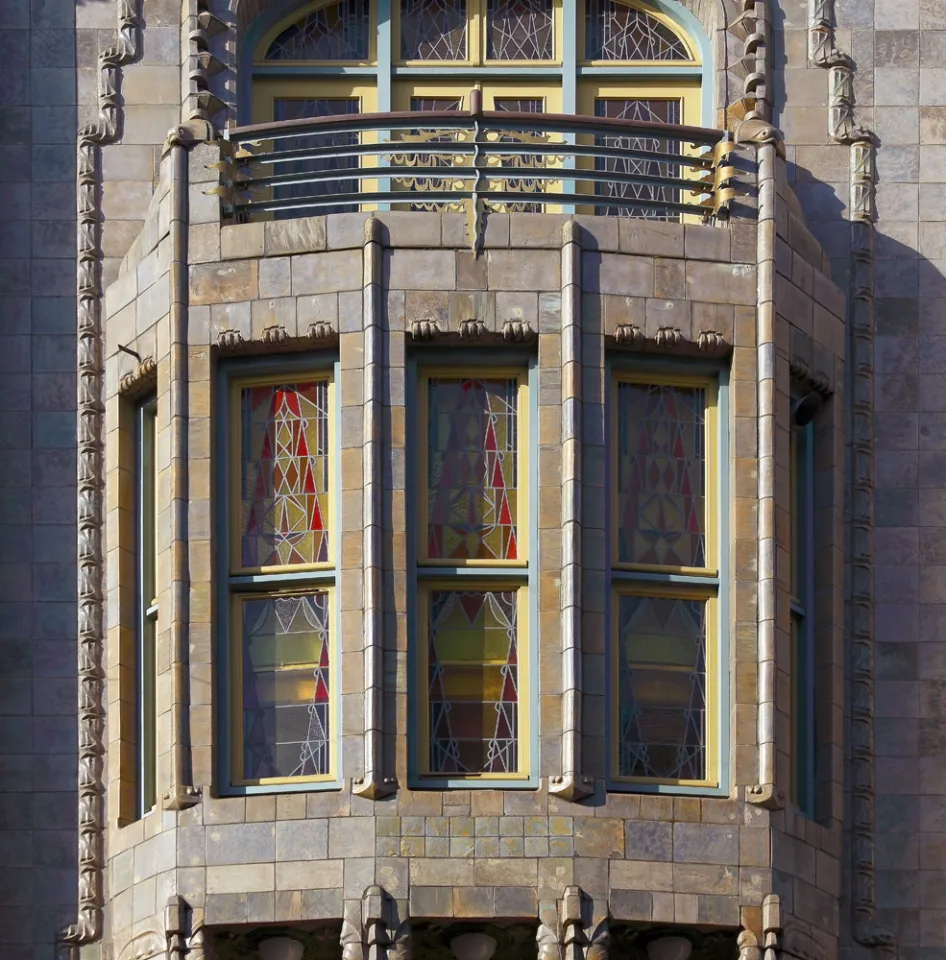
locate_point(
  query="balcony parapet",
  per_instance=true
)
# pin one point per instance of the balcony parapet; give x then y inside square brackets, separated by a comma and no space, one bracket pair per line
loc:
[476,162]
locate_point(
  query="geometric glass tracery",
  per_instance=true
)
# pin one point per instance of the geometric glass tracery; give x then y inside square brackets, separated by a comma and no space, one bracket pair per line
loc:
[661,465]
[433,29]
[653,111]
[519,29]
[662,688]
[286,714]
[284,482]
[338,31]
[473,681]
[472,482]
[295,108]
[617,31]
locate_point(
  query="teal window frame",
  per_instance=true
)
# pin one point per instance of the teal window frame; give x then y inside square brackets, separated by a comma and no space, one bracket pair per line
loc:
[804,720]
[417,574]
[228,586]
[146,607]
[568,71]
[615,579]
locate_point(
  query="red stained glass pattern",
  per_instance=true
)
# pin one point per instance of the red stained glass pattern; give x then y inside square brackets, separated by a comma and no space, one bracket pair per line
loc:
[662,688]
[473,681]
[285,473]
[472,469]
[286,710]
[661,496]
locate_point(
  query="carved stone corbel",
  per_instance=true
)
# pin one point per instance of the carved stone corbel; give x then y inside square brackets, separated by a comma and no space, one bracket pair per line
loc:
[517,331]
[373,930]
[630,335]
[584,936]
[425,331]
[175,928]
[548,943]
[472,329]
[140,379]
[748,944]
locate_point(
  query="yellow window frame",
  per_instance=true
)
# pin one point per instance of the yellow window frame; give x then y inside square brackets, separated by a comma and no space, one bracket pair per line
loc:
[476,40]
[711,469]
[235,470]
[659,15]
[259,54]
[523,662]
[711,682]
[237,779]
[426,374]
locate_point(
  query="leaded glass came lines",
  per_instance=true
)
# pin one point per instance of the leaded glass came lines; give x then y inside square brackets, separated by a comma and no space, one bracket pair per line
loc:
[519,30]
[472,468]
[284,483]
[617,31]
[338,31]
[661,688]
[520,185]
[433,30]
[473,682]
[661,485]
[653,111]
[285,708]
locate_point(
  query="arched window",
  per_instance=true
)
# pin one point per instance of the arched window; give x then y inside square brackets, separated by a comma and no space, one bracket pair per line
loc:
[624,59]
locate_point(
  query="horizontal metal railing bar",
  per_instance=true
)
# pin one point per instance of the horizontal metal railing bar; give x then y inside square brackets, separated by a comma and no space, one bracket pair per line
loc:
[547,122]
[452,196]
[486,175]
[468,148]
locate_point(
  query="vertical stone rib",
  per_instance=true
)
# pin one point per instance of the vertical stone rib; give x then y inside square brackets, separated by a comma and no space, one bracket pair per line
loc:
[372,785]
[765,792]
[863,893]
[90,479]
[182,793]
[571,784]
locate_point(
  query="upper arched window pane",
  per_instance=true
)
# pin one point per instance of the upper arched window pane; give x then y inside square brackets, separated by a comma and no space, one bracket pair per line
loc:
[618,31]
[338,31]
[434,30]
[519,30]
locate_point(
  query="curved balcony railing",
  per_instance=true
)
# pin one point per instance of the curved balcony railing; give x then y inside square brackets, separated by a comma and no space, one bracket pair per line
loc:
[475,161]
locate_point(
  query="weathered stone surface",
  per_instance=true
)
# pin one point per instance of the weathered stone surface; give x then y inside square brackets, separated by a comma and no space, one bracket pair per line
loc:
[224,282]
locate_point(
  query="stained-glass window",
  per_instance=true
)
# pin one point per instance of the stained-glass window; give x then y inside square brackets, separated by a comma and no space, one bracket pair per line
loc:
[472,469]
[284,483]
[661,484]
[661,648]
[664,644]
[519,30]
[286,686]
[433,30]
[617,31]
[280,649]
[337,31]
[473,682]
[651,111]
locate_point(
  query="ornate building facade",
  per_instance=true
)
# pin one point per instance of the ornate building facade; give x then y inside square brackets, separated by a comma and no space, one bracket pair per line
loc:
[506,445]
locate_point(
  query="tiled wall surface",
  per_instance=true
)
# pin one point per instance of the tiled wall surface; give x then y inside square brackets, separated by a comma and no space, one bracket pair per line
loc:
[899,52]
[37,479]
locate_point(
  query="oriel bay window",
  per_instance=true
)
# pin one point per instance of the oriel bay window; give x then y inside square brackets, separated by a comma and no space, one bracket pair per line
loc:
[278,646]
[667,667]
[472,612]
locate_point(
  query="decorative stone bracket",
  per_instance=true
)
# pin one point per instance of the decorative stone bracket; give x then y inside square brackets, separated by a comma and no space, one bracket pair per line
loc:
[580,934]
[372,928]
